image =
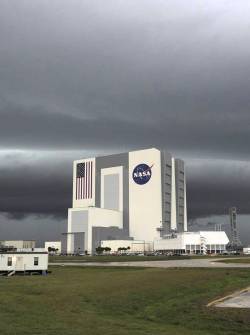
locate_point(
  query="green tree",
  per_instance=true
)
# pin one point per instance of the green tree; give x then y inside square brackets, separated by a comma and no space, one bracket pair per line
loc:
[99,250]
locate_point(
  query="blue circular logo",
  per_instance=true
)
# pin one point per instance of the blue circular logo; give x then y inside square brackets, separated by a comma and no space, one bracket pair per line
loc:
[142,174]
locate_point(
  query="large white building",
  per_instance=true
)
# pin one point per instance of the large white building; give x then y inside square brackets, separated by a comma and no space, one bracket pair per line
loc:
[139,195]
[200,242]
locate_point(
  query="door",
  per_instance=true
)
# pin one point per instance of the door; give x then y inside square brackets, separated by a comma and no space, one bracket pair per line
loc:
[78,243]
[19,263]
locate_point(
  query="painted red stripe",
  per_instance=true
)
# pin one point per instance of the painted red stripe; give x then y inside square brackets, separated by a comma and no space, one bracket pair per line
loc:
[77,188]
[91,180]
[83,187]
[83,184]
[86,179]
[80,188]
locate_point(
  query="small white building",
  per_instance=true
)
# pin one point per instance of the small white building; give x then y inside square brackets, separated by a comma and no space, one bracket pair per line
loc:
[19,244]
[23,260]
[131,245]
[201,242]
[53,247]
[82,225]
[246,251]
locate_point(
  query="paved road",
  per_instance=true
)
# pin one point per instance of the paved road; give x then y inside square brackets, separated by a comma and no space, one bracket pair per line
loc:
[182,263]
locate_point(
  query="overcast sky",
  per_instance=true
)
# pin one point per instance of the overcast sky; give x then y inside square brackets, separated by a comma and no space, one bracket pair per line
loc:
[81,78]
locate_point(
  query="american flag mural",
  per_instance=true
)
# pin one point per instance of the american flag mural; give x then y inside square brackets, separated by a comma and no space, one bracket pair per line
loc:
[84,185]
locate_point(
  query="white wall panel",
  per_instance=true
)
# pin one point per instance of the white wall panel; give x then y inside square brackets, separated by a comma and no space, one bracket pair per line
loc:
[116,170]
[99,217]
[145,202]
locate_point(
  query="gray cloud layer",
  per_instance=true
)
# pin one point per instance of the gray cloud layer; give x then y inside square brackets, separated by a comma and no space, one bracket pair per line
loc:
[86,76]
[42,184]
[164,73]
[214,186]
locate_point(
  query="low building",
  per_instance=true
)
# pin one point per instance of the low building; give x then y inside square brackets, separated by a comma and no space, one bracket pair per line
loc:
[246,251]
[201,242]
[131,246]
[19,244]
[25,260]
[86,225]
[54,247]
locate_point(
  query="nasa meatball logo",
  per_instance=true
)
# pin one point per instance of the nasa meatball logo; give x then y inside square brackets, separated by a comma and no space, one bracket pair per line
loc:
[142,174]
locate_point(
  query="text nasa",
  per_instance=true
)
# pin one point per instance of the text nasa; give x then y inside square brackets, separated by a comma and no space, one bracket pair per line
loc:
[142,174]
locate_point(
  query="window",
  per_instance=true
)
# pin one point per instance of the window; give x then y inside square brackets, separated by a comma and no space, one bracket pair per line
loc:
[9,261]
[36,260]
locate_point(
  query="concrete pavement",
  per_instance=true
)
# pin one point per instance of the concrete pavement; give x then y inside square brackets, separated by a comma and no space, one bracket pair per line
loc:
[241,300]
[182,263]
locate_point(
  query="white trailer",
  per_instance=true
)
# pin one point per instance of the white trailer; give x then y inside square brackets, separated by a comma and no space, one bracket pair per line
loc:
[26,261]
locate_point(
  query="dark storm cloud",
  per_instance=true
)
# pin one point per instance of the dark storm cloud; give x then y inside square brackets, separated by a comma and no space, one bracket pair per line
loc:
[101,77]
[35,188]
[167,74]
[43,185]
[214,187]
[35,128]
[32,227]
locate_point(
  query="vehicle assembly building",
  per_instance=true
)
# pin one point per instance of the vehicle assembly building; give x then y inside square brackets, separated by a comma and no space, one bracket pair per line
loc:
[138,195]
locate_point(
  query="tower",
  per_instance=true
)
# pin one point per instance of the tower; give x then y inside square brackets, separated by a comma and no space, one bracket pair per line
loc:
[235,242]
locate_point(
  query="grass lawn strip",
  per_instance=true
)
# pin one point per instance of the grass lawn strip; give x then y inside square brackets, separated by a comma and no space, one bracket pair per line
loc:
[93,301]
[242,260]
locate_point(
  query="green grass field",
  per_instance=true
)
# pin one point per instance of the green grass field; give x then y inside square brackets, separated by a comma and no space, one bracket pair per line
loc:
[111,301]
[244,259]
